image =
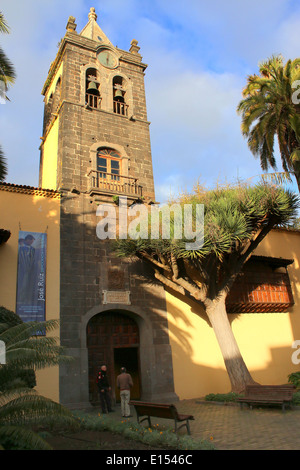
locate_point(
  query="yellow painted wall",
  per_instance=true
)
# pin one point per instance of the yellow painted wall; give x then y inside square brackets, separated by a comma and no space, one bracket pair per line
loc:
[50,151]
[36,214]
[50,145]
[265,339]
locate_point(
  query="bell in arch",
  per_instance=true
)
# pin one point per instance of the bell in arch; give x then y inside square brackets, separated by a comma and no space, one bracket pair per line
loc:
[119,95]
[92,88]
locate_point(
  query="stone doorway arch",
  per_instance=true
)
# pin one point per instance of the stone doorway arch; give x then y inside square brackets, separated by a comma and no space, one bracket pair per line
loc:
[113,339]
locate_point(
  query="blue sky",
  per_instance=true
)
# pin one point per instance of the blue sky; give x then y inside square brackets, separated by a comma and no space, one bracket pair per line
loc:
[199,54]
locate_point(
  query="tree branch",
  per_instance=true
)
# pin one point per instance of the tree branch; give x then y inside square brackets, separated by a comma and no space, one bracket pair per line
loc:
[256,241]
[168,283]
[152,260]
[194,291]
[174,266]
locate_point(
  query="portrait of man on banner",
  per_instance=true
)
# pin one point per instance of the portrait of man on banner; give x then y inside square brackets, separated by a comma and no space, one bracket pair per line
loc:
[31,284]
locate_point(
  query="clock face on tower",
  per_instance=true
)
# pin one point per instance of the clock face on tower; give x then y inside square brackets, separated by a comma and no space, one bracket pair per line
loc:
[108,59]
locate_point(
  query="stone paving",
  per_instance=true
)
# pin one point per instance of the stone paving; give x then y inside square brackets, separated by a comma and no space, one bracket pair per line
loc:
[230,428]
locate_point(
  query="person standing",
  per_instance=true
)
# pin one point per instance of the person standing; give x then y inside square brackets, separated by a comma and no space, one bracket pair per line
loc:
[124,383]
[104,390]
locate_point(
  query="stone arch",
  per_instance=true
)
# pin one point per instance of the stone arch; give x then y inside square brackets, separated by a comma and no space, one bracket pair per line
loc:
[119,148]
[129,93]
[143,353]
[83,73]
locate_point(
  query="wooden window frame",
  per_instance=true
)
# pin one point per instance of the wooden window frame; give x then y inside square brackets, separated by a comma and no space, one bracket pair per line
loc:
[262,287]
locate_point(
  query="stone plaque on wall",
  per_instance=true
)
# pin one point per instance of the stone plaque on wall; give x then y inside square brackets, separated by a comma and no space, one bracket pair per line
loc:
[116,297]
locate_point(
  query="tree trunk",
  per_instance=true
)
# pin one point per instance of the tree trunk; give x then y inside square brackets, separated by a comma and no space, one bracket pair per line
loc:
[237,370]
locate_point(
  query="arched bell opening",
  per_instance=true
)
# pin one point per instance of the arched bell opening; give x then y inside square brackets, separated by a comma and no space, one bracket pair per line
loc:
[119,96]
[92,87]
[113,339]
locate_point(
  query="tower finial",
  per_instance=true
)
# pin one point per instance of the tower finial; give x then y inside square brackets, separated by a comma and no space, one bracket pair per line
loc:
[71,25]
[92,14]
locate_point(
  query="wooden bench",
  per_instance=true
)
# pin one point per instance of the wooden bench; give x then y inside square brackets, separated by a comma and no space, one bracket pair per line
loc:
[159,410]
[267,395]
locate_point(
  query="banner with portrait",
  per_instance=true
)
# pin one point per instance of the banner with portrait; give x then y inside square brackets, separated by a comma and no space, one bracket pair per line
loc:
[31,281]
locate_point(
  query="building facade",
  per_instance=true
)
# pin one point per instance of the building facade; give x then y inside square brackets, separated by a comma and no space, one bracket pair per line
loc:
[96,153]
[96,148]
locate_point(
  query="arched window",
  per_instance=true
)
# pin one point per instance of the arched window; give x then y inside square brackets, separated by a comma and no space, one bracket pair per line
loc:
[55,98]
[92,89]
[108,164]
[119,96]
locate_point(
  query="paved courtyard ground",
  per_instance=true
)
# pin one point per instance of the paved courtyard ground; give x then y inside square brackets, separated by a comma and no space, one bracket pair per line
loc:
[230,428]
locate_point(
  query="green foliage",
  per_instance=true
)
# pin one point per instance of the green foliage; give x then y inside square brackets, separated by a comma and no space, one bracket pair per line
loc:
[294,379]
[7,72]
[296,398]
[3,166]
[7,78]
[295,224]
[222,397]
[268,111]
[8,317]
[20,405]
[231,217]
[159,436]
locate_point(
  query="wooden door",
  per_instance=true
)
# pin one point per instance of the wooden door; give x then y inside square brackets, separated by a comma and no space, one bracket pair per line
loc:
[106,333]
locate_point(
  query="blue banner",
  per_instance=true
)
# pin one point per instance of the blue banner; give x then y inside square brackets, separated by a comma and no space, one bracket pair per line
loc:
[31,282]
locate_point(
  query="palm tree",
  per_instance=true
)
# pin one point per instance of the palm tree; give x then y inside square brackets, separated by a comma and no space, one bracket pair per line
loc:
[7,71]
[7,78]
[269,111]
[3,166]
[20,405]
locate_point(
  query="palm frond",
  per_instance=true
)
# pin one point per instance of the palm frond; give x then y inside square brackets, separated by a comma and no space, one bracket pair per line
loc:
[19,438]
[3,166]
[3,25]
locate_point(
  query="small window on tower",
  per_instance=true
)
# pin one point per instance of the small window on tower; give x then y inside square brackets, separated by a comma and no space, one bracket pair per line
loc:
[92,95]
[55,98]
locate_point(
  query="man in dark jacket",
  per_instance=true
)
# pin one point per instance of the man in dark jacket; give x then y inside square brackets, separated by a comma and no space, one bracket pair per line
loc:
[104,390]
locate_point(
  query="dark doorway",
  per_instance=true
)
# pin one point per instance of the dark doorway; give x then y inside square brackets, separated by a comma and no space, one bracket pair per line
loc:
[106,333]
[127,357]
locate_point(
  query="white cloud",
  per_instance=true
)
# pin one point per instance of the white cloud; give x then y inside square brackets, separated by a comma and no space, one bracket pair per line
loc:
[287,38]
[196,130]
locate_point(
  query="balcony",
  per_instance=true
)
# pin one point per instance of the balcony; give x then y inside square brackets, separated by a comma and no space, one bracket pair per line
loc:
[109,183]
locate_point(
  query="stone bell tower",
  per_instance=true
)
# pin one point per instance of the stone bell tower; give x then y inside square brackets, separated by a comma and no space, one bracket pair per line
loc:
[95,149]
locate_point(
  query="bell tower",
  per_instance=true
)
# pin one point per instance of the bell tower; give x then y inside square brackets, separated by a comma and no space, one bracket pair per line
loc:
[96,135]
[95,149]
